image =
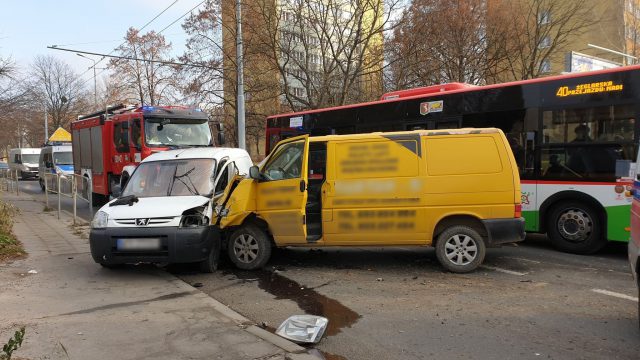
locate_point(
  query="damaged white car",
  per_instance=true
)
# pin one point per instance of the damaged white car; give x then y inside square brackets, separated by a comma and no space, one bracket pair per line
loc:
[164,213]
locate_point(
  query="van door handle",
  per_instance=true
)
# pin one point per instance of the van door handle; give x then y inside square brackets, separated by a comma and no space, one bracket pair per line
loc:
[303,186]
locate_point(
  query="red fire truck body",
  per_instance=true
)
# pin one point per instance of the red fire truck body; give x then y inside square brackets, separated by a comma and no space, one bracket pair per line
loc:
[107,145]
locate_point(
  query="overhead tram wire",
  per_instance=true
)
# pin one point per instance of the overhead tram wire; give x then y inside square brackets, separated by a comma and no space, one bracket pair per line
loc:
[159,32]
[124,42]
[53,47]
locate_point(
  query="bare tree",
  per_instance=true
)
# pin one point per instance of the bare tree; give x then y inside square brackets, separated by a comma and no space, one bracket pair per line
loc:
[57,87]
[538,29]
[326,53]
[442,41]
[146,82]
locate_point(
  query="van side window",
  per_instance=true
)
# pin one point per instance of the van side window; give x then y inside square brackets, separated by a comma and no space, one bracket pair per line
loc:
[286,162]
[120,138]
[224,180]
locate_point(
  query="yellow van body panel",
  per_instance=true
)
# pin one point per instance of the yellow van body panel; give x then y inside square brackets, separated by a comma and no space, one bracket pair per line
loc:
[389,188]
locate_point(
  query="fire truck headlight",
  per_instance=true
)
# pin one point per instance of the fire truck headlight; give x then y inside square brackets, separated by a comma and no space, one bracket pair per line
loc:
[100,220]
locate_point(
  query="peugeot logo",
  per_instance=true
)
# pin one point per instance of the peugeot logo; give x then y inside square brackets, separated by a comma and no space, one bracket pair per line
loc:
[142,222]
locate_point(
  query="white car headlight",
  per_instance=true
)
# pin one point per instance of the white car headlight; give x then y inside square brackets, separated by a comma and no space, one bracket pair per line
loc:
[100,220]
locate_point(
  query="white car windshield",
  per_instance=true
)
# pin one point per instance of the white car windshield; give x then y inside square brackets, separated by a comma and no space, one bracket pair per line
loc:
[172,178]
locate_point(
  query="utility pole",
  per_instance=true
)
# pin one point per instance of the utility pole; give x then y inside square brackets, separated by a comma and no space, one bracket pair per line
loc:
[95,86]
[46,124]
[239,60]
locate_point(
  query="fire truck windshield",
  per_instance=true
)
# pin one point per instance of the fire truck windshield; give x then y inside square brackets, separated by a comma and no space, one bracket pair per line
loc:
[176,132]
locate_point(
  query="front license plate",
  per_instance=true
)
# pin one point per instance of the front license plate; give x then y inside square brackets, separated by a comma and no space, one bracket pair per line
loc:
[138,244]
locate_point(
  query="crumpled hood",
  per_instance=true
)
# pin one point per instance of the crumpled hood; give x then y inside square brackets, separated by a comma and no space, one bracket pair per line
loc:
[153,207]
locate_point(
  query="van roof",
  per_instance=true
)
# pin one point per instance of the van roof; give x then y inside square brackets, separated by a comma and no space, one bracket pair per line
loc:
[462,131]
[197,153]
[27,150]
[58,148]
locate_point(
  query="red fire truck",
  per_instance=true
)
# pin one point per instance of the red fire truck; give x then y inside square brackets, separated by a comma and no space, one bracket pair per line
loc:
[108,144]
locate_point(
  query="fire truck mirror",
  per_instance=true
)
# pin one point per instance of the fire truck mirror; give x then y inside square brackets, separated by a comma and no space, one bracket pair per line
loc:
[125,125]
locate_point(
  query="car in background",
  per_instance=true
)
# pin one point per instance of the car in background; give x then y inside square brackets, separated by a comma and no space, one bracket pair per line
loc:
[57,159]
[634,242]
[4,165]
[24,161]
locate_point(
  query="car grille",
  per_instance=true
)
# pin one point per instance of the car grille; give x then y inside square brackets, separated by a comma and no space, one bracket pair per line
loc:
[152,221]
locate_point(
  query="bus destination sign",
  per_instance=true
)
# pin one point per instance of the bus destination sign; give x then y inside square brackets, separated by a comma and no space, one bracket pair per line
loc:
[589,88]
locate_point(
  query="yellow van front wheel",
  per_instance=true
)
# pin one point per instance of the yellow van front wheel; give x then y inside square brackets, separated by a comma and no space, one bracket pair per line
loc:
[249,247]
[460,249]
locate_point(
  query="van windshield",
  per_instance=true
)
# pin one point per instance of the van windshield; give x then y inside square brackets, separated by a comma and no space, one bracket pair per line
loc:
[63,158]
[172,178]
[30,158]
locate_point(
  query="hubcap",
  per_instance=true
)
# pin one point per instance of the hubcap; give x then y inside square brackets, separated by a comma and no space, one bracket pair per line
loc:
[461,249]
[575,225]
[245,248]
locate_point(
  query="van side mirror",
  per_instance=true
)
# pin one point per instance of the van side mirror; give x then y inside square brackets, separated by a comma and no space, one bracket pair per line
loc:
[48,164]
[254,172]
[220,139]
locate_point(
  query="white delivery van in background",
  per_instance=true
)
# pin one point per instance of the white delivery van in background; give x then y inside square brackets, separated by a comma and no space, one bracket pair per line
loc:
[164,213]
[25,161]
[57,159]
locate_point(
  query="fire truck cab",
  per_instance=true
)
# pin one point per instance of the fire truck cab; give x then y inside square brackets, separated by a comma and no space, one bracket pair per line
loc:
[109,144]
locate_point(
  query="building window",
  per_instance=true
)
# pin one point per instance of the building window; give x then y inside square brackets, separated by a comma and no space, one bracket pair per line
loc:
[545,66]
[545,42]
[544,17]
[297,92]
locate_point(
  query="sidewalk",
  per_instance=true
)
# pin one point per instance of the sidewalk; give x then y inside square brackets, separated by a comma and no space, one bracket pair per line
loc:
[74,309]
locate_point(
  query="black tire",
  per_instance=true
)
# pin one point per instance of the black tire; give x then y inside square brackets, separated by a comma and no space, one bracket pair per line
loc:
[575,227]
[211,263]
[249,247]
[460,249]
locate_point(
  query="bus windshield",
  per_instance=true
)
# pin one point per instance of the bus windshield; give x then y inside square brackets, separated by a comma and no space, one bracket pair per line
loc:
[172,178]
[176,132]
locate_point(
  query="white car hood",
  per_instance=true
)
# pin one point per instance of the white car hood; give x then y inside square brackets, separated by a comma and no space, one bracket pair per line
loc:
[154,207]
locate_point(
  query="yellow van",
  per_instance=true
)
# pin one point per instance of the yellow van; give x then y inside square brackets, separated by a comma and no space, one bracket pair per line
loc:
[457,190]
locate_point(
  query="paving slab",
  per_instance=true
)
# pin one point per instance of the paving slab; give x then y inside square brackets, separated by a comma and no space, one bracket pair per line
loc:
[74,309]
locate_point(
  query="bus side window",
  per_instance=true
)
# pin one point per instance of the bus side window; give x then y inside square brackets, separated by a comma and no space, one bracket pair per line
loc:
[121,137]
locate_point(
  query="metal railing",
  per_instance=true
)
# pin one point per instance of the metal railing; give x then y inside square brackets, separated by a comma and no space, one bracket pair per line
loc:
[10,181]
[71,186]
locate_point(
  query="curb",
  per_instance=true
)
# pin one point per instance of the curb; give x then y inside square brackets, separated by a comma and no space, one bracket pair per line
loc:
[242,321]
[247,325]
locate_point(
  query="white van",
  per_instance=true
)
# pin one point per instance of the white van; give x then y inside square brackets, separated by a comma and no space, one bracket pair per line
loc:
[56,159]
[25,161]
[164,213]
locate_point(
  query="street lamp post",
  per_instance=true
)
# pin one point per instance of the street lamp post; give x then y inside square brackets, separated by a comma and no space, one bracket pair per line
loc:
[240,95]
[95,86]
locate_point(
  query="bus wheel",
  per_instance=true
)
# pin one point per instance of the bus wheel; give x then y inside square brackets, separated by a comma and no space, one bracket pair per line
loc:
[460,249]
[575,227]
[249,247]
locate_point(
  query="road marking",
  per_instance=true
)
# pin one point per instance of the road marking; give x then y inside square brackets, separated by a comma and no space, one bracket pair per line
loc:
[521,259]
[615,294]
[510,272]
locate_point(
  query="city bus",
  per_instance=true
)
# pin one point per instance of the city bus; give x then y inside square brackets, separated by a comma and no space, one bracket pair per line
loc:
[574,137]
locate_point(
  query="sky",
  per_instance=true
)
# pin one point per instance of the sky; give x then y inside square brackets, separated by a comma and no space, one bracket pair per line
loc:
[27,27]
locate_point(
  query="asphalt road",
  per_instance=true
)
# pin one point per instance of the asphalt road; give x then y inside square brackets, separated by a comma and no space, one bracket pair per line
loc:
[527,302]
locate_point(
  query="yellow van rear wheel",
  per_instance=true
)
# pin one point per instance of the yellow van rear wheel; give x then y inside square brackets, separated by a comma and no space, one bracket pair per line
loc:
[460,249]
[249,247]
